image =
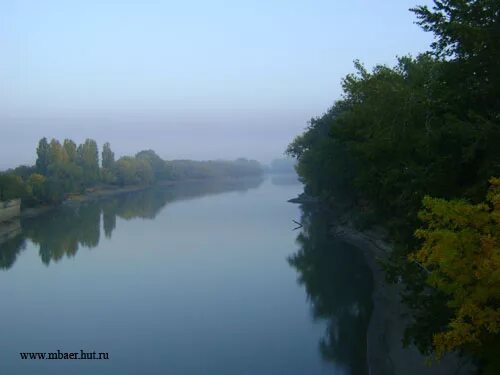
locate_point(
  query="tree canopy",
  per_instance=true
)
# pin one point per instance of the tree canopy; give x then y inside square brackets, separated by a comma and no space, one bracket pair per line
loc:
[68,168]
[461,249]
[427,127]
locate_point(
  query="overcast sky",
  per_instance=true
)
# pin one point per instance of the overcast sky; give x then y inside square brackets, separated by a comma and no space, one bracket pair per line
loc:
[189,79]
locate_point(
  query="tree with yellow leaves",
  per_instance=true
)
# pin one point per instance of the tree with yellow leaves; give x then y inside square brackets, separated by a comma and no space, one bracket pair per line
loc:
[461,251]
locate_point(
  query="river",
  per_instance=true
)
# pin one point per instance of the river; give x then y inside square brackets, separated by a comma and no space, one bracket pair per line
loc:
[197,278]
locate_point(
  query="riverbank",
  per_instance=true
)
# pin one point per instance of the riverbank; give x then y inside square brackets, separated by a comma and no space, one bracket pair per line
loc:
[104,191]
[385,352]
[74,199]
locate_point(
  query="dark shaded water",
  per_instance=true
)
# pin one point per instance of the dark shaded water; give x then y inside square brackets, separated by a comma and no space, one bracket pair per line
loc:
[200,278]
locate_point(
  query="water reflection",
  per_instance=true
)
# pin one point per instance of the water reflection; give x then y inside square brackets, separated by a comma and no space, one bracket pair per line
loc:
[338,284]
[64,231]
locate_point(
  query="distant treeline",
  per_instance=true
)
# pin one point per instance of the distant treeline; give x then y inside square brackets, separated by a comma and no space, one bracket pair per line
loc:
[428,127]
[66,168]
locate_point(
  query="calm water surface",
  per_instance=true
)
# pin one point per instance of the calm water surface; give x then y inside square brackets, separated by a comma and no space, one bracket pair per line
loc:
[200,278]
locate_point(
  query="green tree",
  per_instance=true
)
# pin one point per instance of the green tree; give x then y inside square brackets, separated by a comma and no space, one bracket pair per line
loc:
[12,187]
[467,34]
[88,160]
[70,148]
[63,174]
[36,183]
[125,171]
[157,164]
[42,151]
[57,154]
[108,171]
[108,156]
[143,172]
[23,171]
[133,171]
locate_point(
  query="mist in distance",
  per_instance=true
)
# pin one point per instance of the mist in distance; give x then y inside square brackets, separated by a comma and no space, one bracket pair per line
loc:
[193,80]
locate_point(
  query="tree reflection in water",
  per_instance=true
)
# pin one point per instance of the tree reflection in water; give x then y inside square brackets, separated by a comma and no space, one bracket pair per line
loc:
[339,285]
[62,232]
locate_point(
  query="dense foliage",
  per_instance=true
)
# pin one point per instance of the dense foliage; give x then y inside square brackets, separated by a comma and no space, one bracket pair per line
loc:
[63,169]
[429,126]
[461,250]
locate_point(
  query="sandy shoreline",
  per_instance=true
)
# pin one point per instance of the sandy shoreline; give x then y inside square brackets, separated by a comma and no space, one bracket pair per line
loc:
[385,353]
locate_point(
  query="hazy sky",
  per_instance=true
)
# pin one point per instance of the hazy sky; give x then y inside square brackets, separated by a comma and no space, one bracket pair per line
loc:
[190,79]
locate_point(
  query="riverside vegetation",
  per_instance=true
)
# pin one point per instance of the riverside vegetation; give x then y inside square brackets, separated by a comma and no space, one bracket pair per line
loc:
[62,170]
[416,148]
